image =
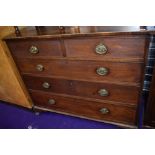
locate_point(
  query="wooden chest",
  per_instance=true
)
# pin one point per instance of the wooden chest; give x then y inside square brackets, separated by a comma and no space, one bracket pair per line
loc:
[92,75]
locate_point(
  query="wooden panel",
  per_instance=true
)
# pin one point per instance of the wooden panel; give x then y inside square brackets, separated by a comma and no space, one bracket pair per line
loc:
[126,94]
[6,30]
[118,72]
[118,47]
[46,48]
[11,86]
[89,109]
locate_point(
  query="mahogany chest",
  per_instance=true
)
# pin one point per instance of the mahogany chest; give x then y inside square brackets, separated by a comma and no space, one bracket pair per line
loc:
[92,75]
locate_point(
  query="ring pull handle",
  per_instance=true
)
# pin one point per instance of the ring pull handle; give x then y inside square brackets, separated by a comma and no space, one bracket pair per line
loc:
[104,111]
[102,71]
[51,101]
[40,67]
[101,49]
[103,92]
[46,85]
[33,49]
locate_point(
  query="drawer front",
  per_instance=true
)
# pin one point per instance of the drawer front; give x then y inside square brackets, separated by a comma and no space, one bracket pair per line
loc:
[102,91]
[116,47]
[87,70]
[100,111]
[34,48]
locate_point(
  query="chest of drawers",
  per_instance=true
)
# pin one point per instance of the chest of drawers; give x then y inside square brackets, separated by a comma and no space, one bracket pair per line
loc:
[92,75]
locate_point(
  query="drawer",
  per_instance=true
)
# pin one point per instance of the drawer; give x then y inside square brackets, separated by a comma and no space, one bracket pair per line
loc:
[93,90]
[34,48]
[90,109]
[106,47]
[86,70]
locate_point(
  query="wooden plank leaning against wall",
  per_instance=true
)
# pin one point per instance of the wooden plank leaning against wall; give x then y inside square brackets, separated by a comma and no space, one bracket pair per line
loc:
[12,88]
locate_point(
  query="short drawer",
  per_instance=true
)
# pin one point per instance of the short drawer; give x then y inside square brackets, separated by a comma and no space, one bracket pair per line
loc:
[90,109]
[86,70]
[93,90]
[106,47]
[34,48]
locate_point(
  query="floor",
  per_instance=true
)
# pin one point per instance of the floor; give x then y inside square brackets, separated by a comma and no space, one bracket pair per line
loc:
[14,117]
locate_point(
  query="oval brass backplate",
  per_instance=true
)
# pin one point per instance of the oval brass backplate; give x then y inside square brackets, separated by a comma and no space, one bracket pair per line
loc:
[46,85]
[102,71]
[33,49]
[104,111]
[51,101]
[103,92]
[101,49]
[40,67]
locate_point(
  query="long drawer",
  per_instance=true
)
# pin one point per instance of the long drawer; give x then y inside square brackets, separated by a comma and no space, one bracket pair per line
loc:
[95,110]
[35,48]
[101,111]
[87,70]
[94,90]
[106,47]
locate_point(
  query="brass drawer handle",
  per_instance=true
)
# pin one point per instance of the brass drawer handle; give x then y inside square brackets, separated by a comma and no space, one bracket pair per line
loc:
[101,49]
[51,101]
[33,50]
[40,67]
[104,111]
[102,71]
[46,85]
[103,92]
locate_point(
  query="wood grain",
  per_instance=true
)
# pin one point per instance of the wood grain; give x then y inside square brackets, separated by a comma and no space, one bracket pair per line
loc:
[117,47]
[46,48]
[12,88]
[118,72]
[70,63]
[78,31]
[89,109]
[118,93]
